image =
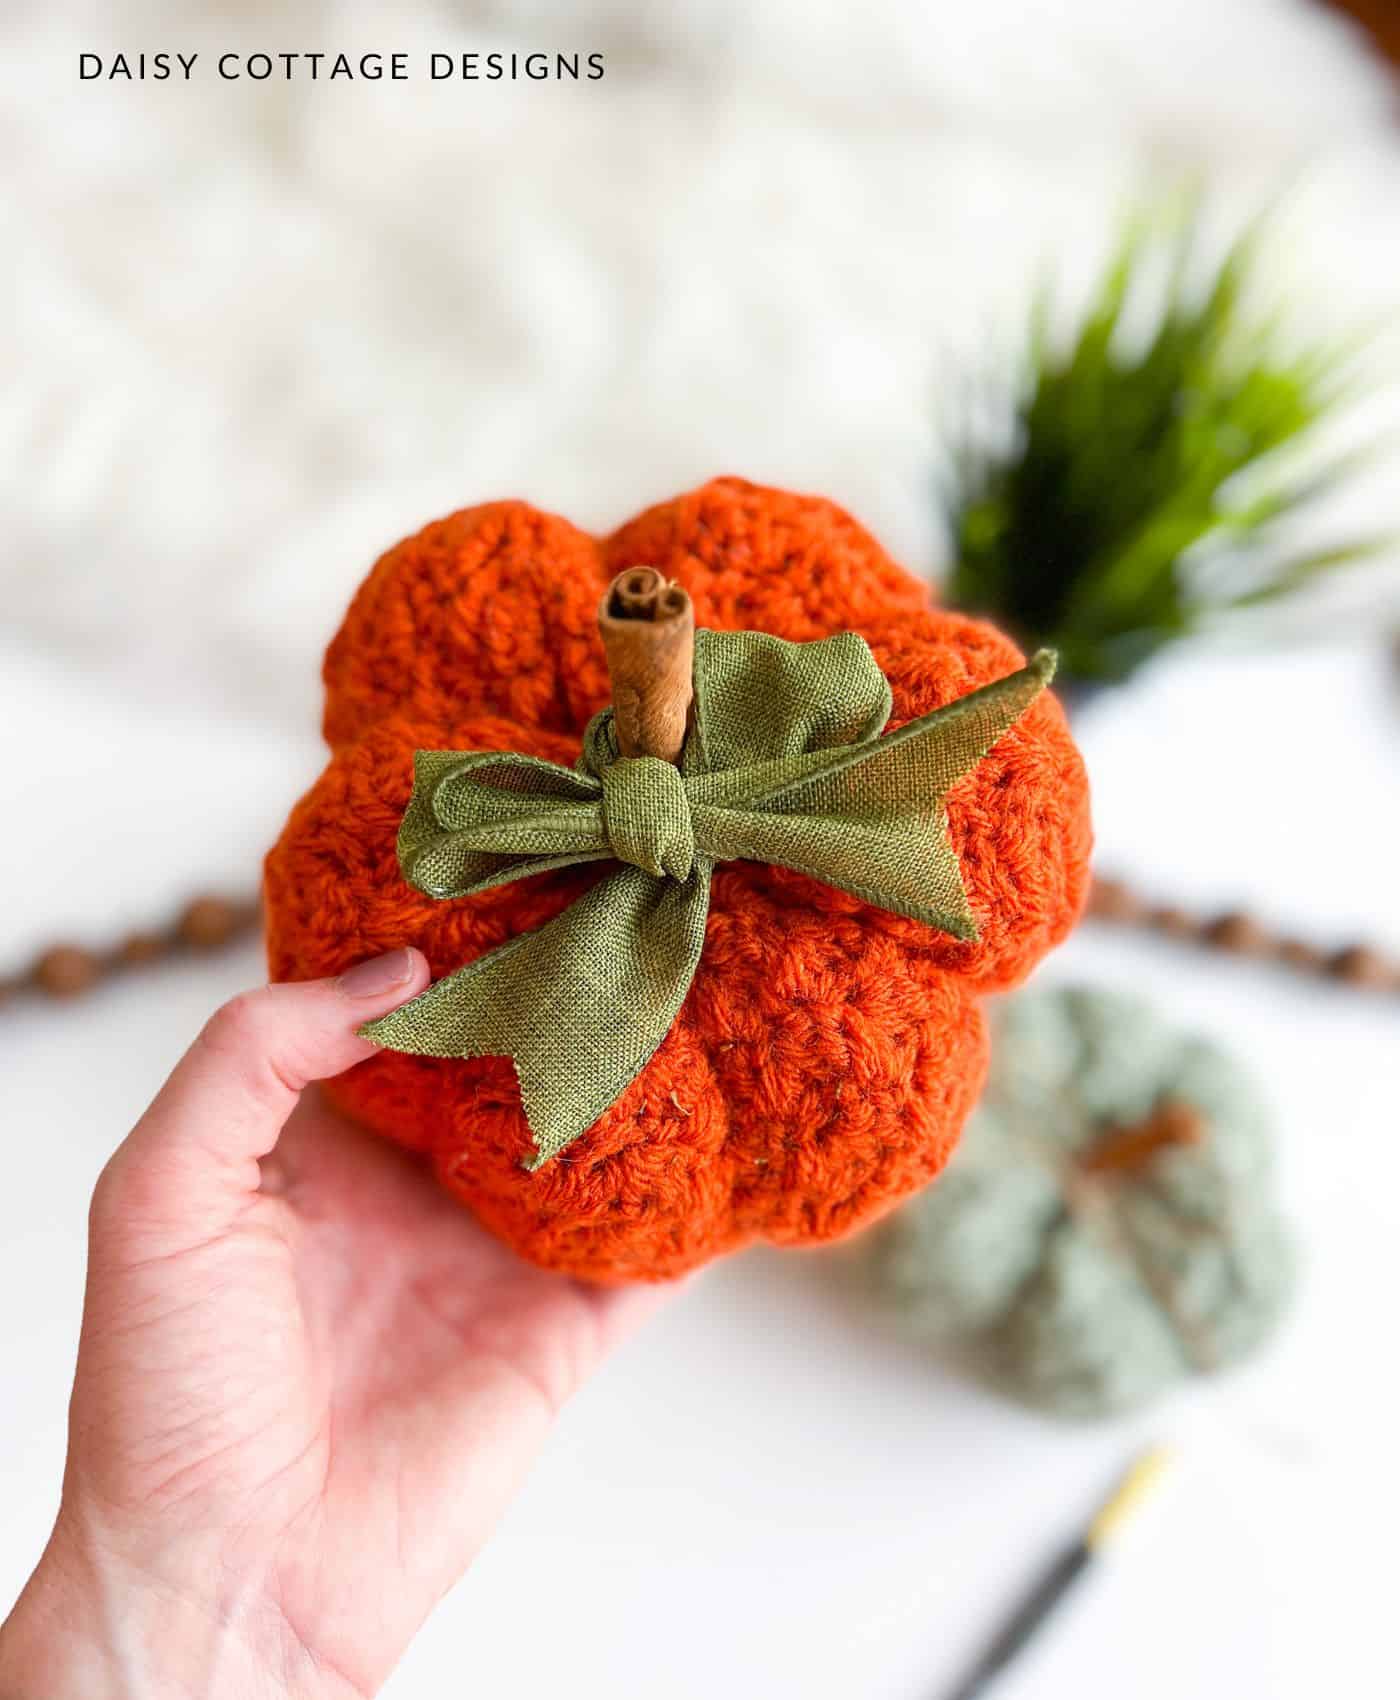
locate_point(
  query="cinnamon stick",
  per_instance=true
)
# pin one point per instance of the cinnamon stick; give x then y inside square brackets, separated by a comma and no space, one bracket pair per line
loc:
[1172,1122]
[648,632]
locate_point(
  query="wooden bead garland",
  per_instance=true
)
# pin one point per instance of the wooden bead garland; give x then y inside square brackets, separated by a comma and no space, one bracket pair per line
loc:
[64,972]
[1238,933]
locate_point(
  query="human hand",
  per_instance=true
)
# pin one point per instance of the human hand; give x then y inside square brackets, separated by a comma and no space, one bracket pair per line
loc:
[307,1382]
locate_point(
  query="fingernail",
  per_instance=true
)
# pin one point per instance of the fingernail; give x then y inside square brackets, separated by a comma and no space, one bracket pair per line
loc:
[379,975]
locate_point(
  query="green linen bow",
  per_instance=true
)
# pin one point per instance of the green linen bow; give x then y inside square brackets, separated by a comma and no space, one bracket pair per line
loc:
[784,764]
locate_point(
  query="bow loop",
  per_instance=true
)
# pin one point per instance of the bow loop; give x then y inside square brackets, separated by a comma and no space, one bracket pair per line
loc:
[646,815]
[478,819]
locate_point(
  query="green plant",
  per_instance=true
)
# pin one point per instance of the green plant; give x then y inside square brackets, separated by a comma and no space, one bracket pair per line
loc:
[1151,474]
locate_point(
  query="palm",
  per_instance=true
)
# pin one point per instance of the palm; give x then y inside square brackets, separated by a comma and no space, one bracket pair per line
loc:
[352,1368]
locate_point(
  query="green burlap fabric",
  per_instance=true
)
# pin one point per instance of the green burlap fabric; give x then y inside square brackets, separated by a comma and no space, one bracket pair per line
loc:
[784,764]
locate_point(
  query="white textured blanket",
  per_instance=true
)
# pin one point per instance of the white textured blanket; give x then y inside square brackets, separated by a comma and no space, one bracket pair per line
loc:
[253,331]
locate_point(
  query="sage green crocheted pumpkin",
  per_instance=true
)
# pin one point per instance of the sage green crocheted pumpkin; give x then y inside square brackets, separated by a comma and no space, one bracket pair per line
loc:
[1108,1226]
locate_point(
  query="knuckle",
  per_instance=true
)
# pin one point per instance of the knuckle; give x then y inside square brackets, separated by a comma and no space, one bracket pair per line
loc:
[105,1195]
[116,1199]
[238,1026]
[247,1042]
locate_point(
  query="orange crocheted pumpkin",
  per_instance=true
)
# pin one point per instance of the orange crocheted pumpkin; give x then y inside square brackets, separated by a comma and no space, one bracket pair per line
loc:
[828,1051]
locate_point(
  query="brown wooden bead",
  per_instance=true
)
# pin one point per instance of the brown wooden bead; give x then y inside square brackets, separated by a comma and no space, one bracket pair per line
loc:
[1175,923]
[1112,900]
[1359,965]
[1240,934]
[209,922]
[137,949]
[66,971]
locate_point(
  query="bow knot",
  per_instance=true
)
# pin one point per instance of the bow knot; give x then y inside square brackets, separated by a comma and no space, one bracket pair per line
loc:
[785,764]
[646,815]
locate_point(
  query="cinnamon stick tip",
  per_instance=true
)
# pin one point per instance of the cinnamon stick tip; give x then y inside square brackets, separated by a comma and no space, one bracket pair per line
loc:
[642,593]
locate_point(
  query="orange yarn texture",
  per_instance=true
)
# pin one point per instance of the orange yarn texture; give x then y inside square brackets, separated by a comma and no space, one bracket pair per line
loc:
[828,1052]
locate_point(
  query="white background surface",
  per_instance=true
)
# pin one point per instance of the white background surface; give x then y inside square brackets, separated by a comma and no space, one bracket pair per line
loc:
[244,347]
[760,1495]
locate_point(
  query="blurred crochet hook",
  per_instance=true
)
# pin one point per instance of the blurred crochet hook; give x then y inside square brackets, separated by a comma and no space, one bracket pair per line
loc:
[1061,1576]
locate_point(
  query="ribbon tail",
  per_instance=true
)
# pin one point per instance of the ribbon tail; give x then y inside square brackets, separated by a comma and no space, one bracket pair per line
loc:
[969,727]
[580,1005]
[871,819]
[902,862]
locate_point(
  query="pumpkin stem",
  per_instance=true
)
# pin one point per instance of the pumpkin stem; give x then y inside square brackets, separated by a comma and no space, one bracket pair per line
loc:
[1173,1122]
[648,631]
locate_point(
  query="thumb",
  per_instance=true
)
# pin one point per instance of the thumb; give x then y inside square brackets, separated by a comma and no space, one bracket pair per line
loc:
[191,1162]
